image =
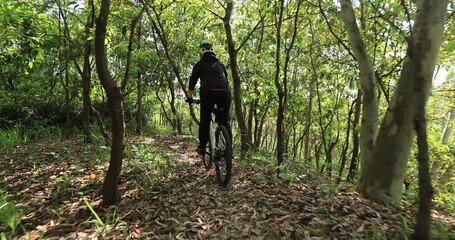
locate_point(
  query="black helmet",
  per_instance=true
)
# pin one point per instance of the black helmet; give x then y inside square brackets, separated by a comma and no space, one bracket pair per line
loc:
[205,47]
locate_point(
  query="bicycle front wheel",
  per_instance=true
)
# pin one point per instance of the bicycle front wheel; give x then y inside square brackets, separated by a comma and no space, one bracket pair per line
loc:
[223,161]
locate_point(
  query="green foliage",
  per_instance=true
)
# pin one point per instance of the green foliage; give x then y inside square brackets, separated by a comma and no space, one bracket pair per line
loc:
[16,135]
[42,130]
[160,128]
[98,221]
[406,229]
[287,175]
[10,215]
[445,201]
[375,234]
[330,187]
[101,154]
[63,187]
[111,219]
[440,231]
[10,137]
[150,164]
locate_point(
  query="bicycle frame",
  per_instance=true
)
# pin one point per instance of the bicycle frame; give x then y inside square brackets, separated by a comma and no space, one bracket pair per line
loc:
[220,155]
[212,131]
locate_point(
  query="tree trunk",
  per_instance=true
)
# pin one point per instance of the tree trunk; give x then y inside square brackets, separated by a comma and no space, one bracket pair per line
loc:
[309,115]
[177,126]
[164,116]
[346,145]
[306,149]
[255,140]
[67,91]
[139,106]
[251,110]
[355,135]
[244,138]
[329,162]
[445,136]
[160,32]
[86,71]
[297,145]
[115,104]
[130,50]
[87,76]
[422,230]
[259,128]
[258,124]
[317,154]
[63,60]
[282,86]
[422,83]
[369,124]
[384,175]
[265,141]
[279,87]
[323,127]
[447,132]
[103,132]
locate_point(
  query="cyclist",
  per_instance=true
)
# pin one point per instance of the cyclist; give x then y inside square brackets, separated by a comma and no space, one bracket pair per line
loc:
[214,89]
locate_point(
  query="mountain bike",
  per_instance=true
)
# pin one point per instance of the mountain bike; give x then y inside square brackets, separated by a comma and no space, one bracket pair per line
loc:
[218,149]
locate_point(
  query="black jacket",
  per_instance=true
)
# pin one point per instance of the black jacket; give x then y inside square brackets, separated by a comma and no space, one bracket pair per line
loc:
[212,73]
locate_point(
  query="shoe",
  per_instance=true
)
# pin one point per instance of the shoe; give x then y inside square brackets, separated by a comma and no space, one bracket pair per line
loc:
[200,151]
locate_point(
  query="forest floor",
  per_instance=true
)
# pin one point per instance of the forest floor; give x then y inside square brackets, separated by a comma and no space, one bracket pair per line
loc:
[167,194]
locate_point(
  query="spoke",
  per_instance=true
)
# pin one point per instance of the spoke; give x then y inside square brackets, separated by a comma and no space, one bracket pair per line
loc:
[222,142]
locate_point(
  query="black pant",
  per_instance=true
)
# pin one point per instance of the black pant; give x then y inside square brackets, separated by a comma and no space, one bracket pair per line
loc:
[222,100]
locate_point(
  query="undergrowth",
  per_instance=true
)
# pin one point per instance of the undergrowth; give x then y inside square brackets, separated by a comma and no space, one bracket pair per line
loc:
[10,216]
[38,130]
[147,166]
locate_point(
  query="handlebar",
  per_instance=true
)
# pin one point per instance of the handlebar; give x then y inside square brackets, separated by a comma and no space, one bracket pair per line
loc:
[196,101]
[215,110]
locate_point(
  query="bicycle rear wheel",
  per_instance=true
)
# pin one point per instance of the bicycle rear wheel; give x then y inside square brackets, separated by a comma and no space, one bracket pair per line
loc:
[207,157]
[223,161]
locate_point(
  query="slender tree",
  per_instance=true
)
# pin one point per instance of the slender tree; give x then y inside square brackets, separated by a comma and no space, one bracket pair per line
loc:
[244,137]
[115,104]
[383,176]
[233,51]
[129,51]
[163,35]
[446,134]
[86,72]
[369,125]
[355,135]
[422,230]
[139,99]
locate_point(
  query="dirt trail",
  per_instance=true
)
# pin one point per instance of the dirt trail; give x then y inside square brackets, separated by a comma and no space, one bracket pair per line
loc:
[257,205]
[50,181]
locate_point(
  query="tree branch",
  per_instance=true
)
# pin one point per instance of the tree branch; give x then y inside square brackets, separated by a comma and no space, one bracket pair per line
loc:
[214,13]
[334,34]
[221,4]
[450,17]
[250,33]
[387,20]
[407,14]
[130,49]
